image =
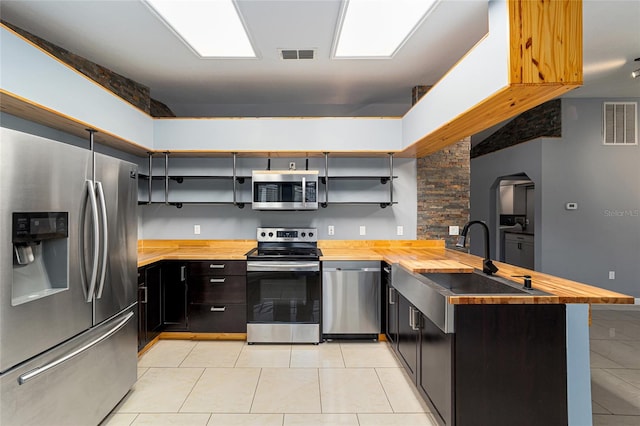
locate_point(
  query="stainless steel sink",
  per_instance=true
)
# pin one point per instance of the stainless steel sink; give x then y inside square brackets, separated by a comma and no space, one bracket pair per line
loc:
[430,293]
[477,283]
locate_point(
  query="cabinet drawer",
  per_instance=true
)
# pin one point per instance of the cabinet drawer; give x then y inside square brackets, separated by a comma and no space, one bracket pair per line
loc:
[218,267]
[218,289]
[217,318]
[519,238]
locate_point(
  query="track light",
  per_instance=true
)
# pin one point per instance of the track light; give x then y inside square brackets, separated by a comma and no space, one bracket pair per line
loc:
[636,73]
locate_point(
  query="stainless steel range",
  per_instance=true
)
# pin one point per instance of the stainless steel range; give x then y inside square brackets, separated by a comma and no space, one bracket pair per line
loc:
[284,290]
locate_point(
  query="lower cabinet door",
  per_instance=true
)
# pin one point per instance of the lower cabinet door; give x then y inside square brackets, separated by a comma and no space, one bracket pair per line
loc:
[211,318]
[408,338]
[435,377]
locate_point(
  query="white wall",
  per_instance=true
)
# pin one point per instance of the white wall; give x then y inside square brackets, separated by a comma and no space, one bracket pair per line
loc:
[604,233]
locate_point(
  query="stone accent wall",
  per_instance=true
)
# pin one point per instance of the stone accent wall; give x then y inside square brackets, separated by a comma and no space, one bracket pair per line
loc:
[443,191]
[443,187]
[418,92]
[158,109]
[545,120]
[131,91]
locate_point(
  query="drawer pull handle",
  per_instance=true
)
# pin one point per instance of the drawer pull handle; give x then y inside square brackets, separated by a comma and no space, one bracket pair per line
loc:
[216,280]
[214,266]
[218,308]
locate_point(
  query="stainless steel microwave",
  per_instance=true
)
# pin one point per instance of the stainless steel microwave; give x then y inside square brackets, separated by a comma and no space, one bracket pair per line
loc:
[284,189]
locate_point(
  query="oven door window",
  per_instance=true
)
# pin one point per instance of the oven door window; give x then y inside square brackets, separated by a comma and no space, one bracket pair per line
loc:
[283,297]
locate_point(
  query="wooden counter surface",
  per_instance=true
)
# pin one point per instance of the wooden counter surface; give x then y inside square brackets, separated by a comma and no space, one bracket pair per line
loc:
[418,256]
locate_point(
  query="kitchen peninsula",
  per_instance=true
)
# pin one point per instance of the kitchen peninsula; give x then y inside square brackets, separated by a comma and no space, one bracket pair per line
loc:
[509,353]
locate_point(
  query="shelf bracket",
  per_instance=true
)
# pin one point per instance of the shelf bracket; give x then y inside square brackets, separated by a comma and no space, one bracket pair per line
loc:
[326,180]
[150,183]
[390,179]
[166,178]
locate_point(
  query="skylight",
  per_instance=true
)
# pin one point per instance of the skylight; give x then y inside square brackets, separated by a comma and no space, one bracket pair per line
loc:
[378,28]
[212,28]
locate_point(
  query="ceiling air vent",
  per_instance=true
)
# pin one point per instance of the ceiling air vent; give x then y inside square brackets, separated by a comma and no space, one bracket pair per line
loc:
[620,123]
[297,54]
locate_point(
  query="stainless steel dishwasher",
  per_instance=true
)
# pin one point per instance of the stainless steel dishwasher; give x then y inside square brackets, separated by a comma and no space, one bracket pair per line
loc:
[351,299]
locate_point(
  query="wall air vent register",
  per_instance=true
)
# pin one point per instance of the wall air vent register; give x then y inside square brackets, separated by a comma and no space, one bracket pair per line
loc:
[620,123]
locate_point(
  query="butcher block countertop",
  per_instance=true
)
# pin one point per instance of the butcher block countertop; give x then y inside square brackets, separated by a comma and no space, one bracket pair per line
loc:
[418,256]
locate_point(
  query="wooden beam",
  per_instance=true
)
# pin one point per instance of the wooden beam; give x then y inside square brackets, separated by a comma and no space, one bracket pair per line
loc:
[545,41]
[545,61]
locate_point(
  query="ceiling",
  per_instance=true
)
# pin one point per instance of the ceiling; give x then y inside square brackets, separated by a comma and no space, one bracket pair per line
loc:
[126,37]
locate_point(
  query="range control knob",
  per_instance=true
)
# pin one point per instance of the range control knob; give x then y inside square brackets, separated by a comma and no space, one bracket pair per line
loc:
[303,235]
[310,234]
[262,234]
[270,234]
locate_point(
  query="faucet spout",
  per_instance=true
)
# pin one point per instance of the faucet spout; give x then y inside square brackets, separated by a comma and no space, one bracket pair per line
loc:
[487,265]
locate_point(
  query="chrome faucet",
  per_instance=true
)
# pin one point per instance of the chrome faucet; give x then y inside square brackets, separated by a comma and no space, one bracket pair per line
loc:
[487,265]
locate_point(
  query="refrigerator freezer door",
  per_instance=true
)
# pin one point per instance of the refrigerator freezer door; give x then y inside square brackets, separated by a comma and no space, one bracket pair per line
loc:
[40,175]
[117,188]
[77,383]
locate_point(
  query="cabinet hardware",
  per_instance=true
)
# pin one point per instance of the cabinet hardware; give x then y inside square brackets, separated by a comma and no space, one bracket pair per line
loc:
[183,273]
[216,280]
[216,266]
[146,294]
[218,308]
[392,300]
[415,325]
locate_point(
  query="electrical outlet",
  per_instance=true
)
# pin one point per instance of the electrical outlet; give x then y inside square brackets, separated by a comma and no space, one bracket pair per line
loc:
[612,275]
[331,230]
[196,229]
[400,230]
[363,230]
[454,230]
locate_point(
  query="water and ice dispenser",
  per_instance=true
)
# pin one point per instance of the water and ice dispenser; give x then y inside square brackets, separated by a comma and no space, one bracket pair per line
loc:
[41,255]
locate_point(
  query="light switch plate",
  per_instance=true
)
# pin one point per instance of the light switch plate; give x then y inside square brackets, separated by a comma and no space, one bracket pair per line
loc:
[363,230]
[196,229]
[454,230]
[612,275]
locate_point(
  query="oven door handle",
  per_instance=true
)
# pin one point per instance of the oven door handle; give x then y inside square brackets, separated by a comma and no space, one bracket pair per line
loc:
[283,266]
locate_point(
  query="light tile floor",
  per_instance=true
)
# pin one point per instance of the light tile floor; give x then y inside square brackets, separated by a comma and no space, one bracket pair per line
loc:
[615,365]
[340,383]
[232,383]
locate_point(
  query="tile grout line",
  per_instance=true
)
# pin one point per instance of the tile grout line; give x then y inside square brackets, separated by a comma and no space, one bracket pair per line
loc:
[255,392]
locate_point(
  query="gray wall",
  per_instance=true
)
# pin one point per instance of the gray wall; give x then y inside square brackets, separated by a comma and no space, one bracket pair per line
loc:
[229,222]
[604,233]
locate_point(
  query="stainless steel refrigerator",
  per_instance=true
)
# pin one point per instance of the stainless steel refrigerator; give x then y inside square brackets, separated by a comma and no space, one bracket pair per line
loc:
[68,249]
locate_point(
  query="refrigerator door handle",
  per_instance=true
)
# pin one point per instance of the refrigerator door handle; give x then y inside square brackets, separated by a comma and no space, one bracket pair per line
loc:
[104,239]
[91,285]
[40,370]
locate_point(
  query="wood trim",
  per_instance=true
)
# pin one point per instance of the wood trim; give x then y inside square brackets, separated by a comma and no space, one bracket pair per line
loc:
[372,244]
[506,103]
[148,346]
[13,104]
[170,335]
[545,42]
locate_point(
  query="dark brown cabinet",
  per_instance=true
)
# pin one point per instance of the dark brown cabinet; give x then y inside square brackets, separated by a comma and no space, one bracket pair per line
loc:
[174,296]
[503,365]
[217,296]
[435,375]
[149,304]
[390,308]
[408,336]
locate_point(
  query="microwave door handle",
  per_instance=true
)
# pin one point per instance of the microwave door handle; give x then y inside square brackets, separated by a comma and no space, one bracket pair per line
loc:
[104,239]
[304,191]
